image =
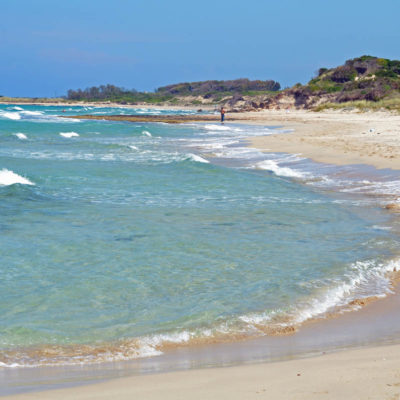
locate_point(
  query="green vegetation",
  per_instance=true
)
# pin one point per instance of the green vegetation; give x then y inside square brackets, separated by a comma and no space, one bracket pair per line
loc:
[392,104]
[214,91]
[118,95]
[370,76]
[363,79]
[215,87]
[365,82]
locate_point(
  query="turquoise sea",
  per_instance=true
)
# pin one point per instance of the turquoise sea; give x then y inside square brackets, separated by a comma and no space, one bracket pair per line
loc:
[121,240]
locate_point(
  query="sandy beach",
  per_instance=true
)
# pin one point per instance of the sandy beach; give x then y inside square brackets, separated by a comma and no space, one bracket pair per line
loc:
[370,373]
[336,137]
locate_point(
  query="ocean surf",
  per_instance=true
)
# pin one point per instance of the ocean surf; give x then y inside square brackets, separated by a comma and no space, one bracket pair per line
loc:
[125,240]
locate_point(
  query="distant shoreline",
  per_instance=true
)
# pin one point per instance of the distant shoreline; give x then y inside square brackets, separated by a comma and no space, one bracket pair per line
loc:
[31,102]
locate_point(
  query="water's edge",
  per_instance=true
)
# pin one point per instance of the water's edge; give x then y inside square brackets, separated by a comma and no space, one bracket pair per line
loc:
[327,335]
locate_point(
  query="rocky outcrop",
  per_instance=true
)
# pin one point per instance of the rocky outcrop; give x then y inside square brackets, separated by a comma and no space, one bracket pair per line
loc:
[364,78]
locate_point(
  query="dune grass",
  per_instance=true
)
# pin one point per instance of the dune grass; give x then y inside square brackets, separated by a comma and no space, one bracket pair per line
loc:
[391,104]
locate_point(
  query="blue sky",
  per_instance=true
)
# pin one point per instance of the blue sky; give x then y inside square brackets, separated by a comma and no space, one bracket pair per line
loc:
[50,46]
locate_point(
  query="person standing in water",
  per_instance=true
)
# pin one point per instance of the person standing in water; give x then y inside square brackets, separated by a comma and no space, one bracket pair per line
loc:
[222,115]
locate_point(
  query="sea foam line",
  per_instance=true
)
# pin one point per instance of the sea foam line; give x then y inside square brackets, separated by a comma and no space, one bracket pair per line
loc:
[357,286]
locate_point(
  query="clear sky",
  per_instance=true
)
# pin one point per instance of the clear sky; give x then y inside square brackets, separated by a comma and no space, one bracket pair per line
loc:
[50,46]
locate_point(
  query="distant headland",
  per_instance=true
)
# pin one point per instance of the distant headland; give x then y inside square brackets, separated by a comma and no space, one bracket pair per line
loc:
[365,82]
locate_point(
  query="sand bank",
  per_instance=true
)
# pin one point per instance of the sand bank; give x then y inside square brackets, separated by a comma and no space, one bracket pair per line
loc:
[370,373]
[336,137]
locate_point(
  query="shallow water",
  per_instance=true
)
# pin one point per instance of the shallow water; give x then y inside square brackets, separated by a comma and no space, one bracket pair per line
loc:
[121,240]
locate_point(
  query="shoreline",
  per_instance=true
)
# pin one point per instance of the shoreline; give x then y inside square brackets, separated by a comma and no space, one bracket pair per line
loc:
[312,145]
[336,137]
[107,104]
[352,374]
[330,137]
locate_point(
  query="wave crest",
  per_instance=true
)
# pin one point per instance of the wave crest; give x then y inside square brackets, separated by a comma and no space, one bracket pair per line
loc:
[272,166]
[21,136]
[8,178]
[69,134]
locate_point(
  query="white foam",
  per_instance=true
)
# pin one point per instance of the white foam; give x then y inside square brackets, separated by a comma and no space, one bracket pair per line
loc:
[381,228]
[12,365]
[195,157]
[256,319]
[8,178]
[32,113]
[272,166]
[212,127]
[16,108]
[147,133]
[69,134]
[133,147]
[10,115]
[21,136]
[367,278]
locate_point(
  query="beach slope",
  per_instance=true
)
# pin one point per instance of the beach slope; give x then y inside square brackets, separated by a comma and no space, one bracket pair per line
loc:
[368,373]
[335,137]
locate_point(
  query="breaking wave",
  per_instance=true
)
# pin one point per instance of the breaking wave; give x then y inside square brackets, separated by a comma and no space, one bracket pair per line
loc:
[273,166]
[365,279]
[197,158]
[21,136]
[8,177]
[10,115]
[69,134]
[33,116]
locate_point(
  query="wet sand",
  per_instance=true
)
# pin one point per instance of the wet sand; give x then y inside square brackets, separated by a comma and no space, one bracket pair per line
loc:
[371,373]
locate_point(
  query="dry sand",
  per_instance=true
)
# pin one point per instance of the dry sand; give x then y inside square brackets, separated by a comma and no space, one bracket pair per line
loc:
[336,137]
[371,373]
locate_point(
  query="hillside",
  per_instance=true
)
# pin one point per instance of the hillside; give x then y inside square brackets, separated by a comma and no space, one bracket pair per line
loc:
[365,81]
[188,93]
[214,89]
